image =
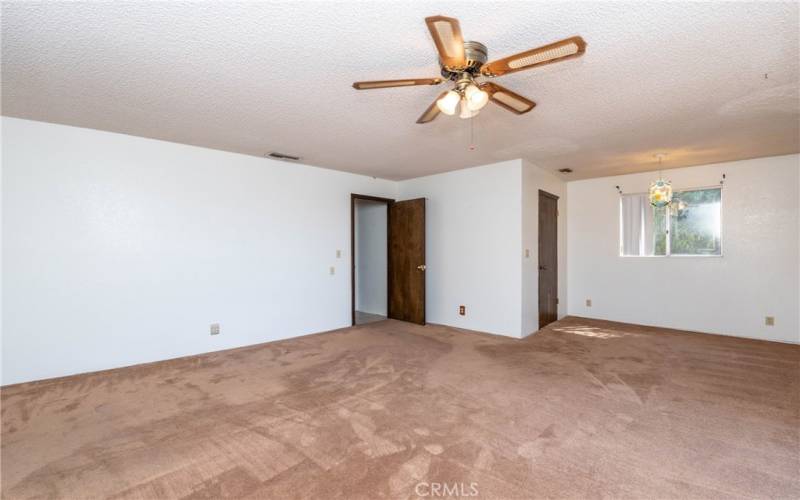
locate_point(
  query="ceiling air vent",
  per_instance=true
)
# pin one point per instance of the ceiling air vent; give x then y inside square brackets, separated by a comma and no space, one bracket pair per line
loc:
[282,156]
[565,170]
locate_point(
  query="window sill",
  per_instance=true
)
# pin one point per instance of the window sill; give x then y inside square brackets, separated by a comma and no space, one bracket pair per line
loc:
[672,256]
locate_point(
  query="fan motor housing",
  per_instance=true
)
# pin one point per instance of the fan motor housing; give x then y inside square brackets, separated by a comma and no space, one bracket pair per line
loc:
[476,54]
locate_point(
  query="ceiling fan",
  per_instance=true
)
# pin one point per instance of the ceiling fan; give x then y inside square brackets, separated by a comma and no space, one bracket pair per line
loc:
[464,62]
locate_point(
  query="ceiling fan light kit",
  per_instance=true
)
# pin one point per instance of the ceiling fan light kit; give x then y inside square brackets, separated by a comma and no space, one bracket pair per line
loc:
[463,63]
[465,95]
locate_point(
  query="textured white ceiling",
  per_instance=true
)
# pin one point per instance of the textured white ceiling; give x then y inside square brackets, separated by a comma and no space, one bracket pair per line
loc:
[685,78]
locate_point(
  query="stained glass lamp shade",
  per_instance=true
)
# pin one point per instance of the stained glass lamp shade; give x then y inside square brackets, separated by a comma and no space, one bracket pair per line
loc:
[660,193]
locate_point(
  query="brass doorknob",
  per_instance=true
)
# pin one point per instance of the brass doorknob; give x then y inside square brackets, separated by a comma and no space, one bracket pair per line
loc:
[421,268]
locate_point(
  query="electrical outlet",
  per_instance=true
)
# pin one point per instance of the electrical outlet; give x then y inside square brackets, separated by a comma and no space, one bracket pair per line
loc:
[338,254]
[462,310]
[769,320]
[332,270]
[527,253]
[588,302]
[214,328]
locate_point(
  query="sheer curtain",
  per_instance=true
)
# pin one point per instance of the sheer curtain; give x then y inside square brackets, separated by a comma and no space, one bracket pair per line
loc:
[637,225]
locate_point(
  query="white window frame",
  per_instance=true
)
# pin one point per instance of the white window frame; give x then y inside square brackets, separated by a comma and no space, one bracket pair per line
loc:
[669,253]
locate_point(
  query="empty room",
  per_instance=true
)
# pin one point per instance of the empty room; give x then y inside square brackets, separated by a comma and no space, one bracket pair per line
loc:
[402,250]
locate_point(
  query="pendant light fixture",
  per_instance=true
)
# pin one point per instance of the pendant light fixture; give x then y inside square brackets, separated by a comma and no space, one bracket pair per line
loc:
[660,190]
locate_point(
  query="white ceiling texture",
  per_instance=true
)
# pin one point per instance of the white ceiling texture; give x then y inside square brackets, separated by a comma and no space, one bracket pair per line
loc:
[704,82]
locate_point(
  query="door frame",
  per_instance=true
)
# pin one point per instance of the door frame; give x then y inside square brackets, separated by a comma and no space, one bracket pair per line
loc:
[539,253]
[388,202]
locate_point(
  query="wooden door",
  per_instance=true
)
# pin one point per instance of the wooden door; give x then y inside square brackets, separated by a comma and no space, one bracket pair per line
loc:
[548,258]
[407,260]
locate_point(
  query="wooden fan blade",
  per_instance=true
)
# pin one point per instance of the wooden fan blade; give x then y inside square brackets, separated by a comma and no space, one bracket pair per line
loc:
[446,33]
[382,84]
[432,111]
[507,99]
[555,52]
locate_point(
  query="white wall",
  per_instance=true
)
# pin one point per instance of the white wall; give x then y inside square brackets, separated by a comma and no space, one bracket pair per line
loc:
[534,179]
[371,257]
[120,250]
[756,277]
[473,242]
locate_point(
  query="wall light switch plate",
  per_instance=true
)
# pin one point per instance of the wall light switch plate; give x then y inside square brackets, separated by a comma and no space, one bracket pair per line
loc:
[333,270]
[338,254]
[527,253]
[588,302]
[214,328]
[769,320]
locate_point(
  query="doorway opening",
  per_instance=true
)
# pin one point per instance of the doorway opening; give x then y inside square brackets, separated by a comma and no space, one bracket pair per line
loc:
[370,258]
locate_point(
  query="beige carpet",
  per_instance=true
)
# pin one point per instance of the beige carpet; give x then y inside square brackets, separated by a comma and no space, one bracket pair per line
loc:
[583,409]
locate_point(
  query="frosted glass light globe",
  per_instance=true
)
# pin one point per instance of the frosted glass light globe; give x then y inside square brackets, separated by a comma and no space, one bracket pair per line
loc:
[476,98]
[466,112]
[449,102]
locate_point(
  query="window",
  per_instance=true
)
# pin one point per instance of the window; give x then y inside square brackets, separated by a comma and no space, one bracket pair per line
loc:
[690,226]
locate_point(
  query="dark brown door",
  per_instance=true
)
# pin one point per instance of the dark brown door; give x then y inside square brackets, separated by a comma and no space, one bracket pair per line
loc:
[548,258]
[407,260]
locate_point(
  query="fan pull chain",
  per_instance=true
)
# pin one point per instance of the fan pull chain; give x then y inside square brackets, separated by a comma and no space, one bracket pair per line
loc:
[472,146]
